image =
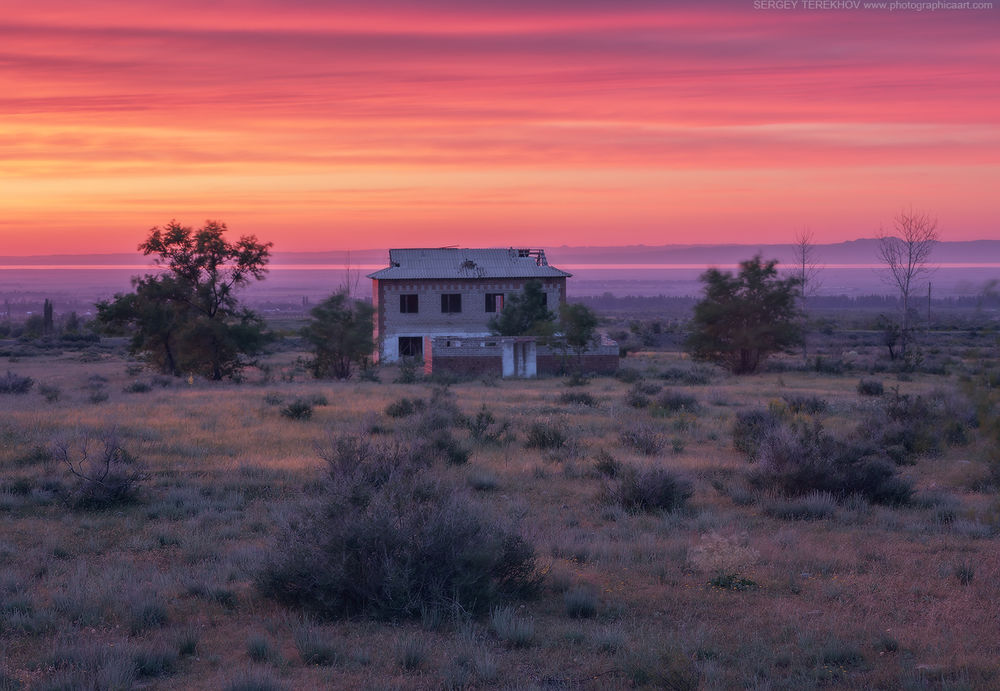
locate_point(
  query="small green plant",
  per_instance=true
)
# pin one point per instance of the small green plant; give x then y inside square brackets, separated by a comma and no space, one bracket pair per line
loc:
[732,581]
[676,402]
[299,409]
[484,428]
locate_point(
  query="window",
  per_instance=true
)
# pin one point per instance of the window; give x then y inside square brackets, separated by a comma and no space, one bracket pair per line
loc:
[408,303]
[411,346]
[545,299]
[451,302]
[494,302]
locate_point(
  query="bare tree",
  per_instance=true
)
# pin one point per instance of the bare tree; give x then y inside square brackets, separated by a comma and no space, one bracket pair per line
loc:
[906,254]
[807,271]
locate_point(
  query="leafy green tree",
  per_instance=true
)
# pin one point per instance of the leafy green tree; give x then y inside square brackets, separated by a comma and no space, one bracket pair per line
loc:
[340,333]
[578,324]
[186,319]
[744,318]
[525,314]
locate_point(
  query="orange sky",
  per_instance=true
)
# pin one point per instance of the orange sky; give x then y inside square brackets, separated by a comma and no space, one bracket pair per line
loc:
[323,125]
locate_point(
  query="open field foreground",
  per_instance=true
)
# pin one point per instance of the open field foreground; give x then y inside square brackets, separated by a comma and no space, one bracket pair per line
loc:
[177,581]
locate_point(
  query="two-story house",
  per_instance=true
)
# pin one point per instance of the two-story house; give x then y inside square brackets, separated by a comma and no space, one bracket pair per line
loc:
[449,292]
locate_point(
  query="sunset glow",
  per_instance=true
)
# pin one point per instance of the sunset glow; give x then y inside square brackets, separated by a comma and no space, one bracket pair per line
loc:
[323,125]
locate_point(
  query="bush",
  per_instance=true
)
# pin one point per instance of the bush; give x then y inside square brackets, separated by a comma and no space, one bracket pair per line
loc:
[871,387]
[15,384]
[299,409]
[103,473]
[404,407]
[577,398]
[581,602]
[798,460]
[50,393]
[751,429]
[675,401]
[485,429]
[545,435]
[513,630]
[643,438]
[138,387]
[390,542]
[649,489]
[628,375]
[811,405]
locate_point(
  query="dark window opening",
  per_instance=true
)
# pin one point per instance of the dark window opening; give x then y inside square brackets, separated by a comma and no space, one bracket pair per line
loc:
[408,303]
[545,299]
[411,346]
[451,302]
[494,302]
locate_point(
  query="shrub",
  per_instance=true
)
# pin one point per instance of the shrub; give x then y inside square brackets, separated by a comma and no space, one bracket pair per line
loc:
[687,375]
[50,393]
[643,438]
[152,662]
[811,507]
[628,375]
[581,602]
[138,387]
[98,396]
[299,409]
[811,405]
[871,387]
[512,629]
[15,384]
[675,401]
[485,429]
[404,407]
[409,370]
[649,489]
[751,429]
[801,459]
[577,398]
[259,649]
[389,542]
[273,398]
[606,464]
[314,646]
[103,473]
[636,399]
[545,435]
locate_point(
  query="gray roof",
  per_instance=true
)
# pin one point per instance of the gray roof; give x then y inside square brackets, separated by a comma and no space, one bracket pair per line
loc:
[452,262]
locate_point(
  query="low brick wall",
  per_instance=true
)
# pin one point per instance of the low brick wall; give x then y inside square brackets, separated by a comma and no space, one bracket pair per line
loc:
[468,365]
[589,364]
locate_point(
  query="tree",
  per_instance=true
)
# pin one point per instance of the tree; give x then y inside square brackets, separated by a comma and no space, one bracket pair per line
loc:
[906,256]
[807,271]
[578,324]
[186,319]
[48,326]
[340,333]
[525,314]
[743,319]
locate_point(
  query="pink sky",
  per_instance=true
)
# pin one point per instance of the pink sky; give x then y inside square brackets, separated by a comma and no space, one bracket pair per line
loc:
[323,125]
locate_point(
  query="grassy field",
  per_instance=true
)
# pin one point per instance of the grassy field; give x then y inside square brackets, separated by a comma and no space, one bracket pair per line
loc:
[740,586]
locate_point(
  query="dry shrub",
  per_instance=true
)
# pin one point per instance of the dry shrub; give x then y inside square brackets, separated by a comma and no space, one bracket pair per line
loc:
[390,541]
[15,383]
[102,472]
[723,554]
[648,489]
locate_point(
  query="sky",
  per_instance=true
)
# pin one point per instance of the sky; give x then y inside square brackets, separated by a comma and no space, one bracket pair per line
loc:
[323,125]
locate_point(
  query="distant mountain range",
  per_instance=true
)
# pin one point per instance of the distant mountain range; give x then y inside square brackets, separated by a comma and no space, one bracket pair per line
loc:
[863,251]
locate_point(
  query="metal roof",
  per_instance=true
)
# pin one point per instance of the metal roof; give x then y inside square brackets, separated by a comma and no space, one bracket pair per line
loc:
[454,262]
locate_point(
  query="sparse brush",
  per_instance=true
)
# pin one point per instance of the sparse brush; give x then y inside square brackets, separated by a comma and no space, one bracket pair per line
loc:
[871,387]
[577,398]
[15,383]
[644,438]
[581,602]
[545,435]
[103,473]
[299,409]
[648,489]
[511,628]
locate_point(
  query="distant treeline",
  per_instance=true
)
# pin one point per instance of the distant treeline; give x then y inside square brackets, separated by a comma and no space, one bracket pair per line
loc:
[671,306]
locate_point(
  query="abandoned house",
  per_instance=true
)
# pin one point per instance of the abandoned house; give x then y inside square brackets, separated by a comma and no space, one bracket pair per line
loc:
[436,304]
